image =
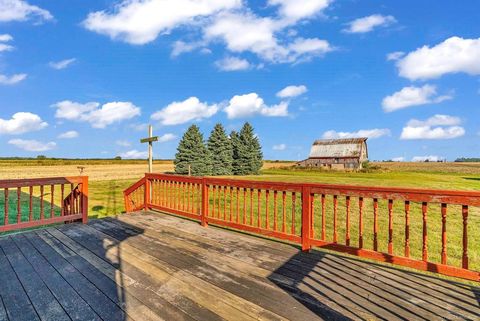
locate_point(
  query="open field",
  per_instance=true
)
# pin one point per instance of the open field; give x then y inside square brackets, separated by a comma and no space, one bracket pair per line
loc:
[109,178]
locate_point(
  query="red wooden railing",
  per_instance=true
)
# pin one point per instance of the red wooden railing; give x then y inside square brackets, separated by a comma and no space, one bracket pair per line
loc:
[41,201]
[370,222]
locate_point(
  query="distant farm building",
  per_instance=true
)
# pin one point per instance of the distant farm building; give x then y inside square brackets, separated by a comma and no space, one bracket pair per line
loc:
[347,153]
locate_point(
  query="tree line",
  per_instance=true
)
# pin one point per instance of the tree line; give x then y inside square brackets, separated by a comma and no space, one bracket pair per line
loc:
[239,153]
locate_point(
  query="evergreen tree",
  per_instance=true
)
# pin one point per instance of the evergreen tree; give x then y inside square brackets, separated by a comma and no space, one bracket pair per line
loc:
[250,150]
[220,148]
[192,151]
[237,162]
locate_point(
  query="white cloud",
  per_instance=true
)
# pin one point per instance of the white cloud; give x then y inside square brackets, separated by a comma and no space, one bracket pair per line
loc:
[413,96]
[20,123]
[62,64]
[232,64]
[19,10]
[166,138]
[5,37]
[279,147]
[68,134]
[123,143]
[142,21]
[247,105]
[32,145]
[180,47]
[294,10]
[134,154]
[436,127]
[246,32]
[367,24]
[292,91]
[430,158]
[12,80]
[398,159]
[98,117]
[3,46]
[369,133]
[394,56]
[180,112]
[454,55]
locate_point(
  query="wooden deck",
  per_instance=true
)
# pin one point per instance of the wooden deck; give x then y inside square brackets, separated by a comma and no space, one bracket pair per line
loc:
[150,266]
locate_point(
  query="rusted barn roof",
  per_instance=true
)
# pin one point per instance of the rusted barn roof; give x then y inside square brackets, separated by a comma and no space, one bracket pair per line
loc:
[338,148]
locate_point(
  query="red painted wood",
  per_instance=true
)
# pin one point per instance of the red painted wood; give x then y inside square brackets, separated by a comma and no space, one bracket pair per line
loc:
[425,233]
[275,211]
[267,215]
[335,206]
[205,202]
[52,202]
[465,237]
[390,227]
[444,233]
[407,228]
[294,209]
[244,206]
[284,212]
[347,221]
[375,224]
[6,205]
[306,218]
[259,196]
[324,223]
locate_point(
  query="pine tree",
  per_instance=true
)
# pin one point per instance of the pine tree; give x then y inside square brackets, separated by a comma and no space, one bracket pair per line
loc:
[250,151]
[191,151]
[237,162]
[220,148]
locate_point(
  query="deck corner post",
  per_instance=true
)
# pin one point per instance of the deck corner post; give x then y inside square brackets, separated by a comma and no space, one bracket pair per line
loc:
[204,213]
[306,218]
[85,199]
[148,194]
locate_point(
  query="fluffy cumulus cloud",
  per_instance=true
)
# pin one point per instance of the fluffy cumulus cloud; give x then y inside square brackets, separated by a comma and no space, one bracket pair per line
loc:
[166,137]
[232,64]
[142,21]
[230,22]
[367,24]
[369,133]
[62,64]
[241,106]
[413,96]
[32,145]
[98,116]
[180,112]
[19,10]
[292,91]
[435,127]
[454,55]
[5,38]
[21,123]
[134,154]
[428,158]
[279,147]
[12,80]
[68,134]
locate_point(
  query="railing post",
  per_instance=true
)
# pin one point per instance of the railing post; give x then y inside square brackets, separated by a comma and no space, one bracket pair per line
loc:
[204,212]
[84,199]
[148,195]
[306,218]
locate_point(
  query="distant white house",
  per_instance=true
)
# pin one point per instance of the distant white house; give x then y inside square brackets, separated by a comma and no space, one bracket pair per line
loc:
[347,153]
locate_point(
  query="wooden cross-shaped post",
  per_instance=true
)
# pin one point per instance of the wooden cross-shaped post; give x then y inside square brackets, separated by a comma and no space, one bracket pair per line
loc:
[150,139]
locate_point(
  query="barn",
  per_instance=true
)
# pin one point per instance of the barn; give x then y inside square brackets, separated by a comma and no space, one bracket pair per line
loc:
[347,153]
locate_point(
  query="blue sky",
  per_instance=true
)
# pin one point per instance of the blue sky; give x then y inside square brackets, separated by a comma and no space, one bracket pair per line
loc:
[82,78]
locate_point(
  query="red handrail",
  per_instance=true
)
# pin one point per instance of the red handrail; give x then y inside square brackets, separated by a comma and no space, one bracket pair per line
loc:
[43,201]
[335,217]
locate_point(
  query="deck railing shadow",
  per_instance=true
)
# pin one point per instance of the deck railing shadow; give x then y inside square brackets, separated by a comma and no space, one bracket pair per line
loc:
[372,290]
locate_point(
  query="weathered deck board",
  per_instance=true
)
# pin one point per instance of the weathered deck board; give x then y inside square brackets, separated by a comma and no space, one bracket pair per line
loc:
[150,266]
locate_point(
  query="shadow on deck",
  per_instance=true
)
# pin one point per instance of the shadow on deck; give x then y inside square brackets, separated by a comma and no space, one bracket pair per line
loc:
[151,266]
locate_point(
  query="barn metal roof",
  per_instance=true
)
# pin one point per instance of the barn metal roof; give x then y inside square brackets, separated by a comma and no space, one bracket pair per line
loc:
[338,148]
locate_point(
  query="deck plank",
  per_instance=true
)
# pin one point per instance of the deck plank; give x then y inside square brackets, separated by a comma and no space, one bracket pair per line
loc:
[42,299]
[73,304]
[151,266]
[15,300]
